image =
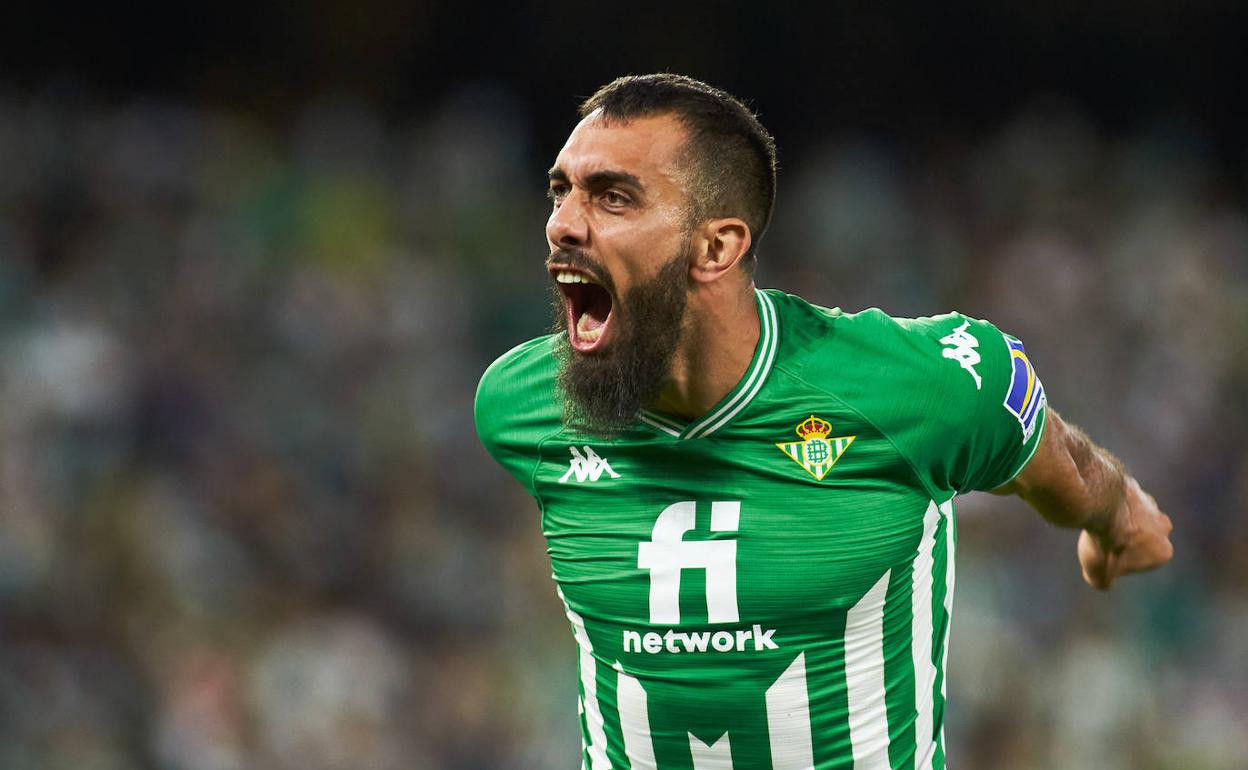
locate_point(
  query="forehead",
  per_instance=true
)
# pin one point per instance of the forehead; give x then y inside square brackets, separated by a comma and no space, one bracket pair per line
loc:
[649,148]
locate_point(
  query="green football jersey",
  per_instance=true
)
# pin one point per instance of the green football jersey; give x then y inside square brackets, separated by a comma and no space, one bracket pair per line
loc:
[769,585]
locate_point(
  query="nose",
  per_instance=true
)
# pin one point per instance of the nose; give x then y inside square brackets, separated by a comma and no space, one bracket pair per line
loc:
[567,226]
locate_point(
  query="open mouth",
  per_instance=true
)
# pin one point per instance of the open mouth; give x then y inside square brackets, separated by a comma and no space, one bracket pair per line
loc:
[588,305]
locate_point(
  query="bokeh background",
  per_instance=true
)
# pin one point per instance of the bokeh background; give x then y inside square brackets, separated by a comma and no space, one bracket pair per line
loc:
[253,260]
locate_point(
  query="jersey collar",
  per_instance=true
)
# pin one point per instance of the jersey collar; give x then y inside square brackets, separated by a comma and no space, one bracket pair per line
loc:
[740,396]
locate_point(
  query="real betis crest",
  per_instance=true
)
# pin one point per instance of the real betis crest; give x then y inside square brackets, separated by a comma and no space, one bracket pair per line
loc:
[816,452]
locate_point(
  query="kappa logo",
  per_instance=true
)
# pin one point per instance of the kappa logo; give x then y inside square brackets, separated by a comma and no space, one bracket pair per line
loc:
[587,467]
[961,347]
[816,452]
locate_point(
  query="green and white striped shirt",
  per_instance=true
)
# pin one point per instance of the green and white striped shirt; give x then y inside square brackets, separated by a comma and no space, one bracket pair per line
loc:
[769,586]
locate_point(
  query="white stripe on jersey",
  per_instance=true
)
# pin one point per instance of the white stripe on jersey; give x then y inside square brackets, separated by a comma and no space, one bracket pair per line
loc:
[947,509]
[634,721]
[864,678]
[788,719]
[653,422]
[717,756]
[589,686]
[921,640]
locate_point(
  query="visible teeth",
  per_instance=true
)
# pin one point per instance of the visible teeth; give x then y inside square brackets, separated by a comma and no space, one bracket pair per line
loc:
[584,332]
[567,276]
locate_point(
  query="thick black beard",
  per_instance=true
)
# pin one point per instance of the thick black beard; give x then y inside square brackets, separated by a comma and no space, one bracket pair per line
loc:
[604,392]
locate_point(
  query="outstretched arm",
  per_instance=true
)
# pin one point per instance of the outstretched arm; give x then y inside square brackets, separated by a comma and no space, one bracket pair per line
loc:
[1074,483]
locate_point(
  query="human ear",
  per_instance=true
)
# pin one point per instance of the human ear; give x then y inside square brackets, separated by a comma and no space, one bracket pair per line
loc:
[724,243]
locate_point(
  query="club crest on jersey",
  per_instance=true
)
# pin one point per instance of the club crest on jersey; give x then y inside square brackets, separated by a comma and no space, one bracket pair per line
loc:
[1026,394]
[816,452]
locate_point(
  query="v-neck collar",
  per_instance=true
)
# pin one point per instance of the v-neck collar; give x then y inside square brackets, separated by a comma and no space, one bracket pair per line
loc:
[742,394]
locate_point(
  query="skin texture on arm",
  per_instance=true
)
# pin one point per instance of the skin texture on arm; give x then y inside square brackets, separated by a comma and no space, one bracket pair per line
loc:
[1074,483]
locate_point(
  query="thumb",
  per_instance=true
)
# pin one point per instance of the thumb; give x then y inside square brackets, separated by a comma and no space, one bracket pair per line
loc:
[1094,563]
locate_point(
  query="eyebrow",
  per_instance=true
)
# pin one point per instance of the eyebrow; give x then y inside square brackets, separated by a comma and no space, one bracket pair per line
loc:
[600,179]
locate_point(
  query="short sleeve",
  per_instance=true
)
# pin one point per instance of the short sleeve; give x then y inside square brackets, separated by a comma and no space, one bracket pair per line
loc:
[990,405]
[515,408]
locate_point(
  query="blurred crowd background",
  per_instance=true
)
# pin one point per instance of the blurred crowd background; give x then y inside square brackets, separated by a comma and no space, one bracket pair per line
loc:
[244,518]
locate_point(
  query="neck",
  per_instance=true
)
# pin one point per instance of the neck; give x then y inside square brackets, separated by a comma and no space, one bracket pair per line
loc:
[719,337]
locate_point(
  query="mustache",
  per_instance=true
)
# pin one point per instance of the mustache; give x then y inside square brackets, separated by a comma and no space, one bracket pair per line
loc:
[581,261]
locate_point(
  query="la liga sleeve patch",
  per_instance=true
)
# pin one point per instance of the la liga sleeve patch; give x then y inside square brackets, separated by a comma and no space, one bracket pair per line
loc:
[1025,396]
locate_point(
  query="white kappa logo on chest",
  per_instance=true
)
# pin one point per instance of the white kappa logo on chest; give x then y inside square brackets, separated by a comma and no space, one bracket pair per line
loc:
[587,467]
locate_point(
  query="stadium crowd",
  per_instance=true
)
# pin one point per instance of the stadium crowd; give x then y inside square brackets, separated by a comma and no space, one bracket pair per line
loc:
[245,521]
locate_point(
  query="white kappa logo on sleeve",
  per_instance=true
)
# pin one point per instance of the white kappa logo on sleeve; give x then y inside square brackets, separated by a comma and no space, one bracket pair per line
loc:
[962,348]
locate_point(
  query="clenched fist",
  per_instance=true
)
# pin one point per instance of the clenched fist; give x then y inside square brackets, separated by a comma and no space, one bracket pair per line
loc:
[1136,540]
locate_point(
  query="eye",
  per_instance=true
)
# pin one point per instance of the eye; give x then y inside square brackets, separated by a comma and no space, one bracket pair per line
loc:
[557,192]
[615,199]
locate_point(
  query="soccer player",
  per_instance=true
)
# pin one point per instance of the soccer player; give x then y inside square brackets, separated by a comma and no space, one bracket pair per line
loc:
[748,499]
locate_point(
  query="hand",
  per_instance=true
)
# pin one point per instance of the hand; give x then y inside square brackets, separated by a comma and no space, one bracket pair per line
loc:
[1137,539]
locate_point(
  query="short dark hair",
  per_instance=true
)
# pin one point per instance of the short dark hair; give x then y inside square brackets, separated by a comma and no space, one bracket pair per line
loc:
[733,158]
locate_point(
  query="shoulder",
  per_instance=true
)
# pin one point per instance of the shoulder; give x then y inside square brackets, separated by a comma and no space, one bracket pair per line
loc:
[900,370]
[820,340]
[870,350]
[528,360]
[954,394]
[516,400]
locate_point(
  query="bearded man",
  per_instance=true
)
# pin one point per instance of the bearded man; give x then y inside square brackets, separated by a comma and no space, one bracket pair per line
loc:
[748,499]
